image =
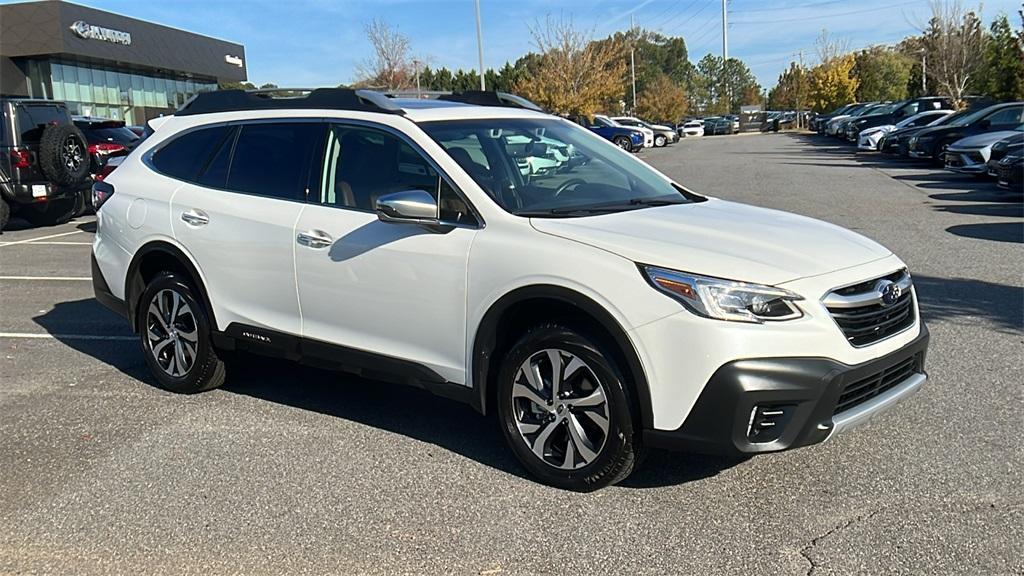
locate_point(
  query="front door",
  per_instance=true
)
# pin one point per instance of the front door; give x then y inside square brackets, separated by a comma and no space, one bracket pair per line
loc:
[396,290]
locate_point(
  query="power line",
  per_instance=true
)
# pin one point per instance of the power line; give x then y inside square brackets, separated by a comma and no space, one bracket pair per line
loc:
[781,8]
[832,15]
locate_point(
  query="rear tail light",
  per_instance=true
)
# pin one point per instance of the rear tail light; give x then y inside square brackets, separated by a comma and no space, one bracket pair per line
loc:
[101,192]
[21,159]
[105,148]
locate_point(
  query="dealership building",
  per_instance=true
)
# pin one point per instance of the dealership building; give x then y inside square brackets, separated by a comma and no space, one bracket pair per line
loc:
[108,65]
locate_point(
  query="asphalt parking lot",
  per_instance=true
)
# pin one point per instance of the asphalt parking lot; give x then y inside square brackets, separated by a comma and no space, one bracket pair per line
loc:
[290,470]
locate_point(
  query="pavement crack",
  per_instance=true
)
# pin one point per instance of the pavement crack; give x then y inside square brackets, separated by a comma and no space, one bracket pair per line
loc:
[805,551]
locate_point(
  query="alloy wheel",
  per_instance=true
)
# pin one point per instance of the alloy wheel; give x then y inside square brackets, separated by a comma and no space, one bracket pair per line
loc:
[560,408]
[71,153]
[172,333]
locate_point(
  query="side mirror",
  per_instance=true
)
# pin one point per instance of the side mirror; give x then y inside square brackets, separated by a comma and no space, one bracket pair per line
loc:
[409,207]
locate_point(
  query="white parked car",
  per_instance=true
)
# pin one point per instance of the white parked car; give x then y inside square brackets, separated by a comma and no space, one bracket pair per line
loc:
[970,155]
[692,128]
[871,138]
[663,135]
[592,311]
[647,132]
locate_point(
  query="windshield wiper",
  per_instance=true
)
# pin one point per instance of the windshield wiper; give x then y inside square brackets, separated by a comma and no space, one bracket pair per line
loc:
[606,208]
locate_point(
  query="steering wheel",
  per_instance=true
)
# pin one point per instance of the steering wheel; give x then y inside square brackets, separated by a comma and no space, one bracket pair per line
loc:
[568,184]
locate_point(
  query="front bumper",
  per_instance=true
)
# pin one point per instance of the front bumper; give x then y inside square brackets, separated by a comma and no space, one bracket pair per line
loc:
[773,404]
[966,161]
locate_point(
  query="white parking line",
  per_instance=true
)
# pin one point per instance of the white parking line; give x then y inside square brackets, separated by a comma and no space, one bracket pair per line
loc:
[35,336]
[26,241]
[49,243]
[59,278]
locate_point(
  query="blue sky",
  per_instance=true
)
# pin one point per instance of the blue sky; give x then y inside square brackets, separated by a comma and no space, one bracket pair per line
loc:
[320,42]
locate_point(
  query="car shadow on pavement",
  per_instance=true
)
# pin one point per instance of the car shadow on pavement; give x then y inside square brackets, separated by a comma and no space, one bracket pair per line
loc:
[966,299]
[396,408]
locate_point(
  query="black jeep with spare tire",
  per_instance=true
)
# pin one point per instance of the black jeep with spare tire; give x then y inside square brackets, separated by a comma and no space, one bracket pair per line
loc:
[44,162]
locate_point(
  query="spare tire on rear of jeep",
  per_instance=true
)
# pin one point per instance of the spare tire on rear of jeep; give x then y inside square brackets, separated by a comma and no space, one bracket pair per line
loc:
[64,155]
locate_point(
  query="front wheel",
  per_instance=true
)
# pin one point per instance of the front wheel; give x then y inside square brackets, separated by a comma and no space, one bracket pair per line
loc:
[565,410]
[623,142]
[175,334]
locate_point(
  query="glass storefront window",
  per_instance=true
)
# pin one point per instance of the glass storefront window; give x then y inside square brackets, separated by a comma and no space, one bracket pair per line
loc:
[99,86]
[160,92]
[138,97]
[149,87]
[57,80]
[111,84]
[70,82]
[124,88]
[84,84]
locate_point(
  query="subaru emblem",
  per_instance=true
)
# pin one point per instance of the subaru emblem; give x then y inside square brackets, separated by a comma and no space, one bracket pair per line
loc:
[890,292]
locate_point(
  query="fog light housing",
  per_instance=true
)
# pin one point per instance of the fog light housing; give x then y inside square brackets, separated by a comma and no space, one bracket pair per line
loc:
[768,421]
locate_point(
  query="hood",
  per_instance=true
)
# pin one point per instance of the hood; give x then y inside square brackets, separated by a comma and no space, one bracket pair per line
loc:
[883,128]
[721,239]
[983,140]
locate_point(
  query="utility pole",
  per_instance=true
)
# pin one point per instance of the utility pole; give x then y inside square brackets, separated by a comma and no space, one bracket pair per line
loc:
[480,45]
[632,60]
[725,31]
[799,92]
[416,68]
[924,72]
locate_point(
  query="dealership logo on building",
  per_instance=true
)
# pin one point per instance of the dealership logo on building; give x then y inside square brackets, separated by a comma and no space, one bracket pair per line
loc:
[234,60]
[85,30]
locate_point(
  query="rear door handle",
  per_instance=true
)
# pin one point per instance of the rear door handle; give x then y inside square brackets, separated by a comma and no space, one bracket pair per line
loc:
[195,217]
[315,239]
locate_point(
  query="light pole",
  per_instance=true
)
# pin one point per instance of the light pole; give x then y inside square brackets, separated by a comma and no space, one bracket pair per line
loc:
[632,61]
[480,45]
[416,69]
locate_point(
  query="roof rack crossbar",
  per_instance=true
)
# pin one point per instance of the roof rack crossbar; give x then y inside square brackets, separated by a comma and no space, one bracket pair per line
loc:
[490,98]
[319,98]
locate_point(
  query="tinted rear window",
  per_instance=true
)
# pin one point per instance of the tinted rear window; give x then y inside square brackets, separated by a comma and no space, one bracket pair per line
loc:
[33,118]
[115,134]
[273,159]
[186,155]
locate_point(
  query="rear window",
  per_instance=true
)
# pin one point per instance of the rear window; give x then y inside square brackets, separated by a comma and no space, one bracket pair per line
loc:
[33,118]
[273,159]
[115,133]
[187,154]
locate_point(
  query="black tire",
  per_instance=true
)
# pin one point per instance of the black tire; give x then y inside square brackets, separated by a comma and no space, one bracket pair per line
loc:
[64,155]
[49,213]
[618,452]
[5,214]
[660,141]
[623,142]
[206,370]
[83,203]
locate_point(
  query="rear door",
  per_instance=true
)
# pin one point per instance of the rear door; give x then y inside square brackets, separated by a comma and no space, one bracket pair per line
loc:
[238,216]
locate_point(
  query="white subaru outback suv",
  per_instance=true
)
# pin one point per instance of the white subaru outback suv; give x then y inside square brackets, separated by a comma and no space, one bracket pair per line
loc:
[596,308]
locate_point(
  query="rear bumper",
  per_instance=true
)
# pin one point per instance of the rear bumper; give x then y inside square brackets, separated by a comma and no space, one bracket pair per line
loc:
[103,293]
[16,193]
[773,404]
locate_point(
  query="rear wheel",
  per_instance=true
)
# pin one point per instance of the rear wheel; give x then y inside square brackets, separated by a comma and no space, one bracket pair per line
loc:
[175,335]
[5,214]
[660,141]
[565,410]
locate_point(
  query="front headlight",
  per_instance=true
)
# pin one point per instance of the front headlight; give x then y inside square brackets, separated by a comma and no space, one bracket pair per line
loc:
[725,299]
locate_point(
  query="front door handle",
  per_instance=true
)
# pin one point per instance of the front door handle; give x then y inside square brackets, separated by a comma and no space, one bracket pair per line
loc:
[315,239]
[195,217]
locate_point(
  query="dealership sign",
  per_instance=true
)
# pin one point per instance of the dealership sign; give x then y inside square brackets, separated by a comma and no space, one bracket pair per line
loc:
[234,60]
[85,30]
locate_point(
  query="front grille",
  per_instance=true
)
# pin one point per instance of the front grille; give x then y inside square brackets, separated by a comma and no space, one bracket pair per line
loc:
[868,387]
[874,320]
[953,160]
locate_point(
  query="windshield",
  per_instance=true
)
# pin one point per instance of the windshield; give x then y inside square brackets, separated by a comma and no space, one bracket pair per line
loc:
[968,119]
[547,167]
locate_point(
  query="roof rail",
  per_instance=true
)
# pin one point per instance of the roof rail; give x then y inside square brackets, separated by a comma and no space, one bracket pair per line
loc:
[319,98]
[490,98]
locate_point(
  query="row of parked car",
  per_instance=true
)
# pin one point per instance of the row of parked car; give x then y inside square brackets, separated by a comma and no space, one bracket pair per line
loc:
[985,139]
[49,159]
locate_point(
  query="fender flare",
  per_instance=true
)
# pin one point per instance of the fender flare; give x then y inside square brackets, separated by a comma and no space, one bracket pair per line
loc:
[134,287]
[485,340]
